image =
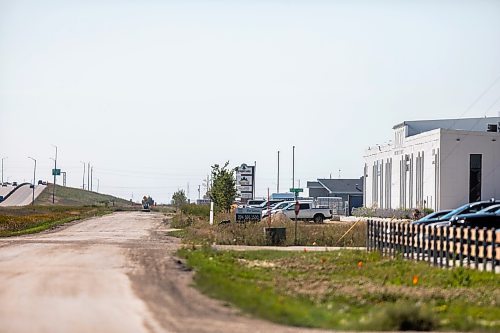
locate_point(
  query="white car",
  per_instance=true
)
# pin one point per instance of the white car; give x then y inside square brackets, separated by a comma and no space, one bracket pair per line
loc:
[274,208]
[307,212]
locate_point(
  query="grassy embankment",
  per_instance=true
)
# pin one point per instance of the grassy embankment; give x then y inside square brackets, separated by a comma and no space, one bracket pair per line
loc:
[349,290]
[70,196]
[192,221]
[71,204]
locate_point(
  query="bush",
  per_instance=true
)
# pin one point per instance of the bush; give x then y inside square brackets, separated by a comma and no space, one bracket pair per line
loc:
[196,210]
[401,316]
[384,213]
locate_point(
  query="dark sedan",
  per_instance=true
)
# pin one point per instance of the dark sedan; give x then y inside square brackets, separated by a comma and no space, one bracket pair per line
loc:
[431,217]
[465,209]
[484,219]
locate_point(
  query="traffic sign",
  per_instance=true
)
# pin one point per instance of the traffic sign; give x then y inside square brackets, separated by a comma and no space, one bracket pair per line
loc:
[296,190]
[56,172]
[297,208]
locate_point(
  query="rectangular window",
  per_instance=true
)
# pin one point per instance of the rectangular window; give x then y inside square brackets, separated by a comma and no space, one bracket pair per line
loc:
[475,177]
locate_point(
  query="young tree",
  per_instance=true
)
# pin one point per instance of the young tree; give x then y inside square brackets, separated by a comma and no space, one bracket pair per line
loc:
[223,189]
[179,198]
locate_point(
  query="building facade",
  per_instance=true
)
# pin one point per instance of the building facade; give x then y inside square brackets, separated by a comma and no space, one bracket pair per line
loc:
[437,164]
[349,191]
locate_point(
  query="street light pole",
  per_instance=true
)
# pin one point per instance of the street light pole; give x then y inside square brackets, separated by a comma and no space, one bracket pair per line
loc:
[83,179]
[88,176]
[278,185]
[3,158]
[293,167]
[54,172]
[34,177]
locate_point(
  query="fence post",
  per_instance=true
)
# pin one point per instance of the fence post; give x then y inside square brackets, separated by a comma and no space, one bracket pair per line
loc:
[493,250]
[476,248]
[425,250]
[446,245]
[468,231]
[411,240]
[454,245]
[368,235]
[427,243]
[384,237]
[441,246]
[485,248]
[434,245]
[461,249]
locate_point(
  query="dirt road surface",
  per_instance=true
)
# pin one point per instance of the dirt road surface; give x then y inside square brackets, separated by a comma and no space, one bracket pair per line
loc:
[116,273]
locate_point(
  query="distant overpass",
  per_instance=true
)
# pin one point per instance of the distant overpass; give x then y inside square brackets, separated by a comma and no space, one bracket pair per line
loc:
[21,196]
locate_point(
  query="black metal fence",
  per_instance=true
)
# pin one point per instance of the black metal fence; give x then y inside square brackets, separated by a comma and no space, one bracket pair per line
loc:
[440,246]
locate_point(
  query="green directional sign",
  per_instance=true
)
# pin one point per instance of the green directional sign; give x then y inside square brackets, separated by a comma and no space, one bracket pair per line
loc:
[296,190]
[56,172]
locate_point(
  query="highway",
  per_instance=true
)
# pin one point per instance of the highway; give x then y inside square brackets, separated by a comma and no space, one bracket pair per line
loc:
[23,196]
[4,190]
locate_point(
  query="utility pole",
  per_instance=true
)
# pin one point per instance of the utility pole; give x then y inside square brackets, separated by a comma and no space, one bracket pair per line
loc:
[54,172]
[83,179]
[88,176]
[91,178]
[199,192]
[254,177]
[97,185]
[3,158]
[34,177]
[278,184]
[293,167]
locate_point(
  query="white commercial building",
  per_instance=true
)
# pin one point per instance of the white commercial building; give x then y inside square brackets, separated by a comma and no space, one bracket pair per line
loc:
[439,164]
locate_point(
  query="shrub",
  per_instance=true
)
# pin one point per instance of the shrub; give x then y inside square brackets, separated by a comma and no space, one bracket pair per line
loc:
[401,316]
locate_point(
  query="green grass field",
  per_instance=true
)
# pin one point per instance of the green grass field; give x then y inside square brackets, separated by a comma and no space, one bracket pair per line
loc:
[349,290]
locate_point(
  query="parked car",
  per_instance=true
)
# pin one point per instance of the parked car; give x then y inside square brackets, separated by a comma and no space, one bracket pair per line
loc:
[274,208]
[431,217]
[465,209]
[255,202]
[265,204]
[486,218]
[307,212]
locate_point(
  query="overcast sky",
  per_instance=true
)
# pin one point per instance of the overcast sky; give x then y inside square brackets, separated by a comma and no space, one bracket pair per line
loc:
[153,93]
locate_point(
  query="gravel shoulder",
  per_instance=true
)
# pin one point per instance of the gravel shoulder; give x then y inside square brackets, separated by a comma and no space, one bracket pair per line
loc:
[116,273]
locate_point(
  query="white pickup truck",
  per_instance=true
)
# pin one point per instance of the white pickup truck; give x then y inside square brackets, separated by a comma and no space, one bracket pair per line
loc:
[307,212]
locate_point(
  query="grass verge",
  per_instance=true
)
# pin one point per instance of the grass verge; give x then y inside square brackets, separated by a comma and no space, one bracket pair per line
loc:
[348,290]
[15,221]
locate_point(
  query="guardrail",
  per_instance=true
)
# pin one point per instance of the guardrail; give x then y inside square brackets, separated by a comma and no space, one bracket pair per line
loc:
[440,246]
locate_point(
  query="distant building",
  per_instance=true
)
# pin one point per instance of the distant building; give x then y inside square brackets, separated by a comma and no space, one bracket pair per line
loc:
[349,190]
[439,164]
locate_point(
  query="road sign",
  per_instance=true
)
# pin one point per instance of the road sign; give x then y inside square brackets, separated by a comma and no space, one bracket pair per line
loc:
[296,190]
[297,208]
[56,172]
[248,214]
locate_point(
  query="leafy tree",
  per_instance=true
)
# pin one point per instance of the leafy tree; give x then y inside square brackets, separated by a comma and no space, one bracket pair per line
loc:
[223,189]
[179,198]
[148,200]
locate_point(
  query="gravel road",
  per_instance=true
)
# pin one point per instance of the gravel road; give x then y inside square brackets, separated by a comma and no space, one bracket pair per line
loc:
[116,273]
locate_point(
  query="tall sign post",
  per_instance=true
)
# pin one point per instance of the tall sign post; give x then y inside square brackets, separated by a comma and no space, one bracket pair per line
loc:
[296,208]
[245,182]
